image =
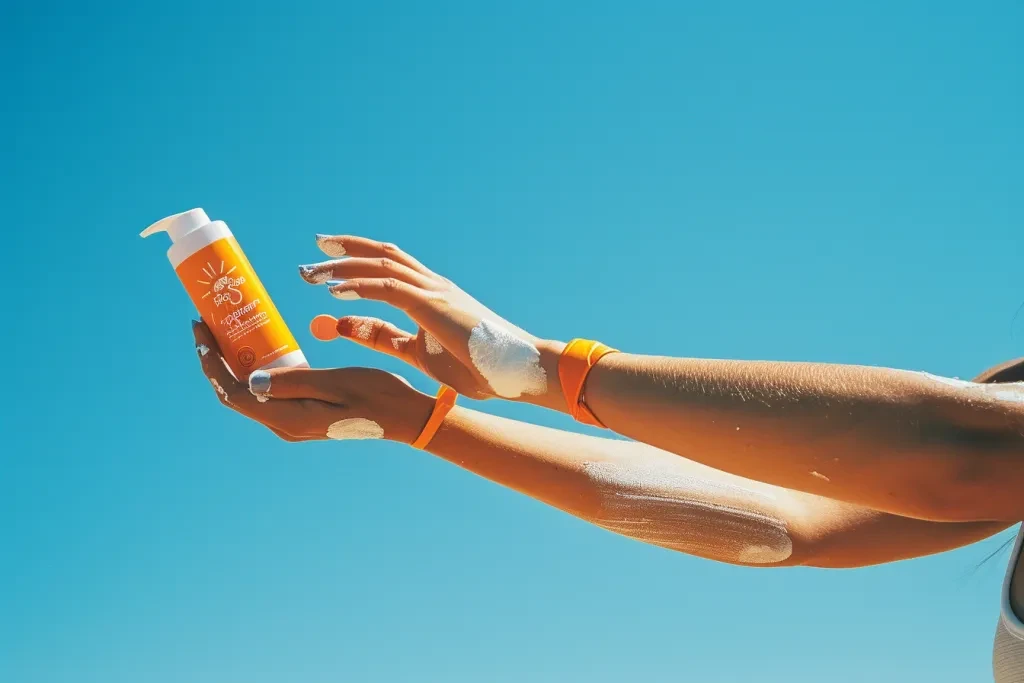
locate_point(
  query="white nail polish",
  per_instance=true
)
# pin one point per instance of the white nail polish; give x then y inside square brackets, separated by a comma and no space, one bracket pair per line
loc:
[315,275]
[330,246]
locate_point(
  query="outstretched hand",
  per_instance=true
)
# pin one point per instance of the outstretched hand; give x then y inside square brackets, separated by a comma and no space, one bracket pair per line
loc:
[460,342]
[301,404]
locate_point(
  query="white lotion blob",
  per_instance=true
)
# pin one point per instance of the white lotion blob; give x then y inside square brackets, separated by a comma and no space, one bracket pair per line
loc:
[510,364]
[660,505]
[355,428]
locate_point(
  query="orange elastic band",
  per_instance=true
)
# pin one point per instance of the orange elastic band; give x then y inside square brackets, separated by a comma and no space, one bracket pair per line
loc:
[442,406]
[579,356]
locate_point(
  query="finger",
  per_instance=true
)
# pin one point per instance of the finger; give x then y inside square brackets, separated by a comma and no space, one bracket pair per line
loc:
[349,268]
[350,245]
[286,420]
[230,391]
[327,386]
[389,290]
[379,335]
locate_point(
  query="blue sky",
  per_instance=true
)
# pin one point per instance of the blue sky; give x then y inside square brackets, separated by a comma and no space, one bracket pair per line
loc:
[797,180]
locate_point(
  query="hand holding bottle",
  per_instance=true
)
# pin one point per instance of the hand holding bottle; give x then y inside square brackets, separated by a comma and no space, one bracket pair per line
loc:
[300,404]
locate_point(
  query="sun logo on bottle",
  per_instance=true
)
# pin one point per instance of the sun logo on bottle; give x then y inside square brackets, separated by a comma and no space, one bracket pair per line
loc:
[223,287]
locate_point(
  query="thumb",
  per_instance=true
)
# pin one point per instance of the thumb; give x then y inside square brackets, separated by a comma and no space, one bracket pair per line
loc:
[292,383]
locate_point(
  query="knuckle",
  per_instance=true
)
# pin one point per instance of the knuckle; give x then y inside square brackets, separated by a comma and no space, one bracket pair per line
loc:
[390,248]
[391,284]
[388,264]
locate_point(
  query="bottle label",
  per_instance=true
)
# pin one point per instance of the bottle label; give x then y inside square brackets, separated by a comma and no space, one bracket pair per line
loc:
[233,302]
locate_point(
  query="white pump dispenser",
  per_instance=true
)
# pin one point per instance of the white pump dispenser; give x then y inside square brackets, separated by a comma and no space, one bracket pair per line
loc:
[230,298]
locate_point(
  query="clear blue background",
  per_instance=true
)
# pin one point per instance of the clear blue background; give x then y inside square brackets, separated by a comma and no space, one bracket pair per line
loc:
[795,180]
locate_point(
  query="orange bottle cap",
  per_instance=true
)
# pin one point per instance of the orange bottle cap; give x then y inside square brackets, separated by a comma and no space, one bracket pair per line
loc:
[324,327]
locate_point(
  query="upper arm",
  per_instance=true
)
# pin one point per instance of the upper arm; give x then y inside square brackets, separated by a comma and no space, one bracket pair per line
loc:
[834,534]
[1011,372]
[986,416]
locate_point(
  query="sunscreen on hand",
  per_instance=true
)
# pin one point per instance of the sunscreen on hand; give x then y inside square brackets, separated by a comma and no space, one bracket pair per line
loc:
[230,298]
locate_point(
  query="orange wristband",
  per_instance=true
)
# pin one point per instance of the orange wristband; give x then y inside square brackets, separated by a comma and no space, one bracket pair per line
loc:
[442,406]
[578,358]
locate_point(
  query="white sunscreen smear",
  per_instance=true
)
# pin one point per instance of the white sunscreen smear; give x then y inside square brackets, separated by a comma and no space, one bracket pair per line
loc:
[510,364]
[219,389]
[431,344]
[362,329]
[355,428]
[660,505]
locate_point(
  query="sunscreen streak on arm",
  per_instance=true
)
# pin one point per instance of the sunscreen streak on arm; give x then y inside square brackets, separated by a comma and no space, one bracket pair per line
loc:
[657,501]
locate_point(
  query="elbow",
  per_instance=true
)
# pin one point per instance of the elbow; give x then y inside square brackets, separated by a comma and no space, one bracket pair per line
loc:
[972,486]
[971,464]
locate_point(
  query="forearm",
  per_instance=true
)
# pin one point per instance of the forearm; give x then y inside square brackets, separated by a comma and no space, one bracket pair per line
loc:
[658,498]
[903,442]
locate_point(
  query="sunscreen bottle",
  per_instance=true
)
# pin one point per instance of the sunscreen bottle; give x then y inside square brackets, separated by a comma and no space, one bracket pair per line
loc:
[230,298]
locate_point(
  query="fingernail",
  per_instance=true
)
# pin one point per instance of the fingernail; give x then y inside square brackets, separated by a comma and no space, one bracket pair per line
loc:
[259,384]
[329,246]
[195,324]
[344,295]
[315,274]
[202,349]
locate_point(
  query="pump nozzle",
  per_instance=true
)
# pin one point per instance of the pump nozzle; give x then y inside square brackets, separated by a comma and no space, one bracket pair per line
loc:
[178,225]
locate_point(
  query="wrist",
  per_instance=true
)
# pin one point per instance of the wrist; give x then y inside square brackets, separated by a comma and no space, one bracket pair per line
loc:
[552,356]
[550,353]
[406,416]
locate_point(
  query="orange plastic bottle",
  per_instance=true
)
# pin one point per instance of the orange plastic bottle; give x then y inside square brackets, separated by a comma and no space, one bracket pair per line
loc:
[230,298]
